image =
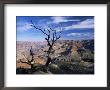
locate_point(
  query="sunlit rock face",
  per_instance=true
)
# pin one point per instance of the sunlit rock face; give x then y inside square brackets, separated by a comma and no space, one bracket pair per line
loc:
[63,50]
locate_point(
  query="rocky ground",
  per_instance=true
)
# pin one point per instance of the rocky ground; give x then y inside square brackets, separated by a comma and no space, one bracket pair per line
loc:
[69,57]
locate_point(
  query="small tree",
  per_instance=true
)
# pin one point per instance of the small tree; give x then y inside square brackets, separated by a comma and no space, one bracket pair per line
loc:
[29,61]
[51,38]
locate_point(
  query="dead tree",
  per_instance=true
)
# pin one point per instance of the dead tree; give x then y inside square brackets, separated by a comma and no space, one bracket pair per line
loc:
[51,38]
[29,61]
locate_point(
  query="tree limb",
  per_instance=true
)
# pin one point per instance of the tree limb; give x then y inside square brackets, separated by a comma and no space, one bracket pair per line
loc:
[26,58]
[23,62]
[43,31]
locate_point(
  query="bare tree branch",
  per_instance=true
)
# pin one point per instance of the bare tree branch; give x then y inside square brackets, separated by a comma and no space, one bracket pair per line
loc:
[51,38]
[25,57]
[23,61]
[43,31]
[50,28]
[32,54]
[29,61]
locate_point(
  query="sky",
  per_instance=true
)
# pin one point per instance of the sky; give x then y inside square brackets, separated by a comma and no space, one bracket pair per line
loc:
[68,27]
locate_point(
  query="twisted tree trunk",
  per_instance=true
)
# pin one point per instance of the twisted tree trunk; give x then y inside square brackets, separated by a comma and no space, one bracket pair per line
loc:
[48,61]
[48,56]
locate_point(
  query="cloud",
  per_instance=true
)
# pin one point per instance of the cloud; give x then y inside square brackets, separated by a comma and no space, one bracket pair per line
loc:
[86,24]
[23,26]
[59,19]
[74,34]
[87,34]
